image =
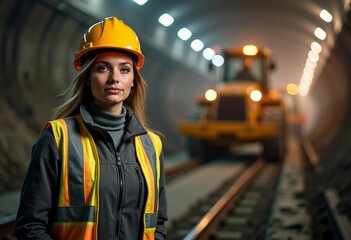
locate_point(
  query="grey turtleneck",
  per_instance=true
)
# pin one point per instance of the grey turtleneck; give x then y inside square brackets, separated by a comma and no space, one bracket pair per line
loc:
[113,124]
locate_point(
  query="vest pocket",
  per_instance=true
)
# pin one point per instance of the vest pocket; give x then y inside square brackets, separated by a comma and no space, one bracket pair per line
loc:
[140,188]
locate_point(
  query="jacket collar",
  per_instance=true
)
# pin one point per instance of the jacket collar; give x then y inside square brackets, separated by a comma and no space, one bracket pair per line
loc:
[133,125]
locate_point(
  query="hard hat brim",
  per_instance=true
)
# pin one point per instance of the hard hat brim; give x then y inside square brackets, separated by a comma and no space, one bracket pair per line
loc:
[82,56]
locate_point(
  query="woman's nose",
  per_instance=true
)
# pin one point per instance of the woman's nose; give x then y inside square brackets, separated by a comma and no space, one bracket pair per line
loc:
[114,76]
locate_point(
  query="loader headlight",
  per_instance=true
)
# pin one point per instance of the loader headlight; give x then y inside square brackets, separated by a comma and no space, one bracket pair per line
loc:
[210,95]
[256,95]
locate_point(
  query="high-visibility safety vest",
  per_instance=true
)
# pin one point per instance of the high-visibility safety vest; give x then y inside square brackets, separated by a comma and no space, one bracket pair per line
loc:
[78,203]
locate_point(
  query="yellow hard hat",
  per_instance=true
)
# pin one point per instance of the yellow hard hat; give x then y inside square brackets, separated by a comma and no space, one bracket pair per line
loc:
[111,33]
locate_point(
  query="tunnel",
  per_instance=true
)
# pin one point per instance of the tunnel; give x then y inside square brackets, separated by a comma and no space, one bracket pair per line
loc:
[38,39]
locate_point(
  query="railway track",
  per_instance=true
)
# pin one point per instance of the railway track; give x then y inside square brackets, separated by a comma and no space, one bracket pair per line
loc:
[238,210]
[177,171]
[265,202]
[268,201]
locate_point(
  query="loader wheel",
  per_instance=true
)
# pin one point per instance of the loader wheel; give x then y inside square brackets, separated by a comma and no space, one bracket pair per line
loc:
[194,147]
[274,149]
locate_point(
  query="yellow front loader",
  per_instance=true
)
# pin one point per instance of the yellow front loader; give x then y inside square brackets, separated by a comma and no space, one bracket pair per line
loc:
[241,109]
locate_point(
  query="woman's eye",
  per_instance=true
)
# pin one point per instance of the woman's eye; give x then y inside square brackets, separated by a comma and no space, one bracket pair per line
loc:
[102,68]
[125,70]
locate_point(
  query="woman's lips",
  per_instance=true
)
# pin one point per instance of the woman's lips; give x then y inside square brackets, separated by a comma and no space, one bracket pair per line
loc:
[113,90]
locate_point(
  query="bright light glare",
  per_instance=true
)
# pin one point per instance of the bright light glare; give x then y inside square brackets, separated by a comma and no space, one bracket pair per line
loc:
[308,71]
[326,16]
[197,45]
[314,57]
[208,53]
[320,33]
[184,34]
[306,80]
[140,2]
[218,60]
[303,89]
[292,89]
[316,47]
[256,95]
[166,19]
[310,64]
[250,50]
[307,74]
[210,95]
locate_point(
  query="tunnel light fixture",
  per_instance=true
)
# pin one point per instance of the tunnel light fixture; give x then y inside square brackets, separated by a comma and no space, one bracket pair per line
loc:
[140,2]
[305,84]
[314,57]
[208,53]
[184,34]
[303,89]
[326,16]
[292,89]
[197,45]
[306,80]
[320,33]
[218,60]
[211,95]
[166,20]
[256,95]
[250,50]
[310,64]
[308,73]
[316,47]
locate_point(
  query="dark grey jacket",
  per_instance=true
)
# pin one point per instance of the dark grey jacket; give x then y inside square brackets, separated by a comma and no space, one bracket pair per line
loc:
[122,186]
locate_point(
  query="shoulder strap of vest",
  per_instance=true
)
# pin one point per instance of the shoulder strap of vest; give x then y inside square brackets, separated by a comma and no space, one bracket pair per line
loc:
[148,149]
[157,142]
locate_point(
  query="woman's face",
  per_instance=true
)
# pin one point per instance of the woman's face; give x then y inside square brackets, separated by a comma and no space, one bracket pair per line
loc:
[111,78]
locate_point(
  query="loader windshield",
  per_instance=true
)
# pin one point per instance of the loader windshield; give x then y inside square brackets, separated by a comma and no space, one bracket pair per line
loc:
[239,68]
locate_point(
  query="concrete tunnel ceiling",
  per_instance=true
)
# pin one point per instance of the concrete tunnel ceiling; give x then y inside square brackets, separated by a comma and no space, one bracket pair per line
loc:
[286,27]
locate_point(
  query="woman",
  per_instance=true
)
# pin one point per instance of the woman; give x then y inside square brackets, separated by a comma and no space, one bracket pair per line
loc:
[97,171]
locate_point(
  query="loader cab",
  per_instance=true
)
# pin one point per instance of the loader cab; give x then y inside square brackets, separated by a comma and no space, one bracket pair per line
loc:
[248,64]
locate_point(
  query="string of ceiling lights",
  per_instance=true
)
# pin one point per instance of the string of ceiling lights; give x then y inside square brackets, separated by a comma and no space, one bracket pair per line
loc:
[185,34]
[217,60]
[312,59]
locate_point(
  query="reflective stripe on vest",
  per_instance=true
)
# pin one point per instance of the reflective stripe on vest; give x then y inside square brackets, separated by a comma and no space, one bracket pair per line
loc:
[145,146]
[77,214]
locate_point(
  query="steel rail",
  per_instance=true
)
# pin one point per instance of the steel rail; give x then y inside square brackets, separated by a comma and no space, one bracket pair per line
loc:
[341,220]
[209,222]
[175,170]
[310,151]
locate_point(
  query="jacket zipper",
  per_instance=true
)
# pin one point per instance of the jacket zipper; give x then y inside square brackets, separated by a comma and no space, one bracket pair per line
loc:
[119,203]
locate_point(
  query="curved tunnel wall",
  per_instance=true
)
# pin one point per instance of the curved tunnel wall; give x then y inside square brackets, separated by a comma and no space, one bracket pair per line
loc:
[37,42]
[328,109]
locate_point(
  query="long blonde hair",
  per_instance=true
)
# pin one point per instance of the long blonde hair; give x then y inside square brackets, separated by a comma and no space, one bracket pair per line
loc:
[79,93]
